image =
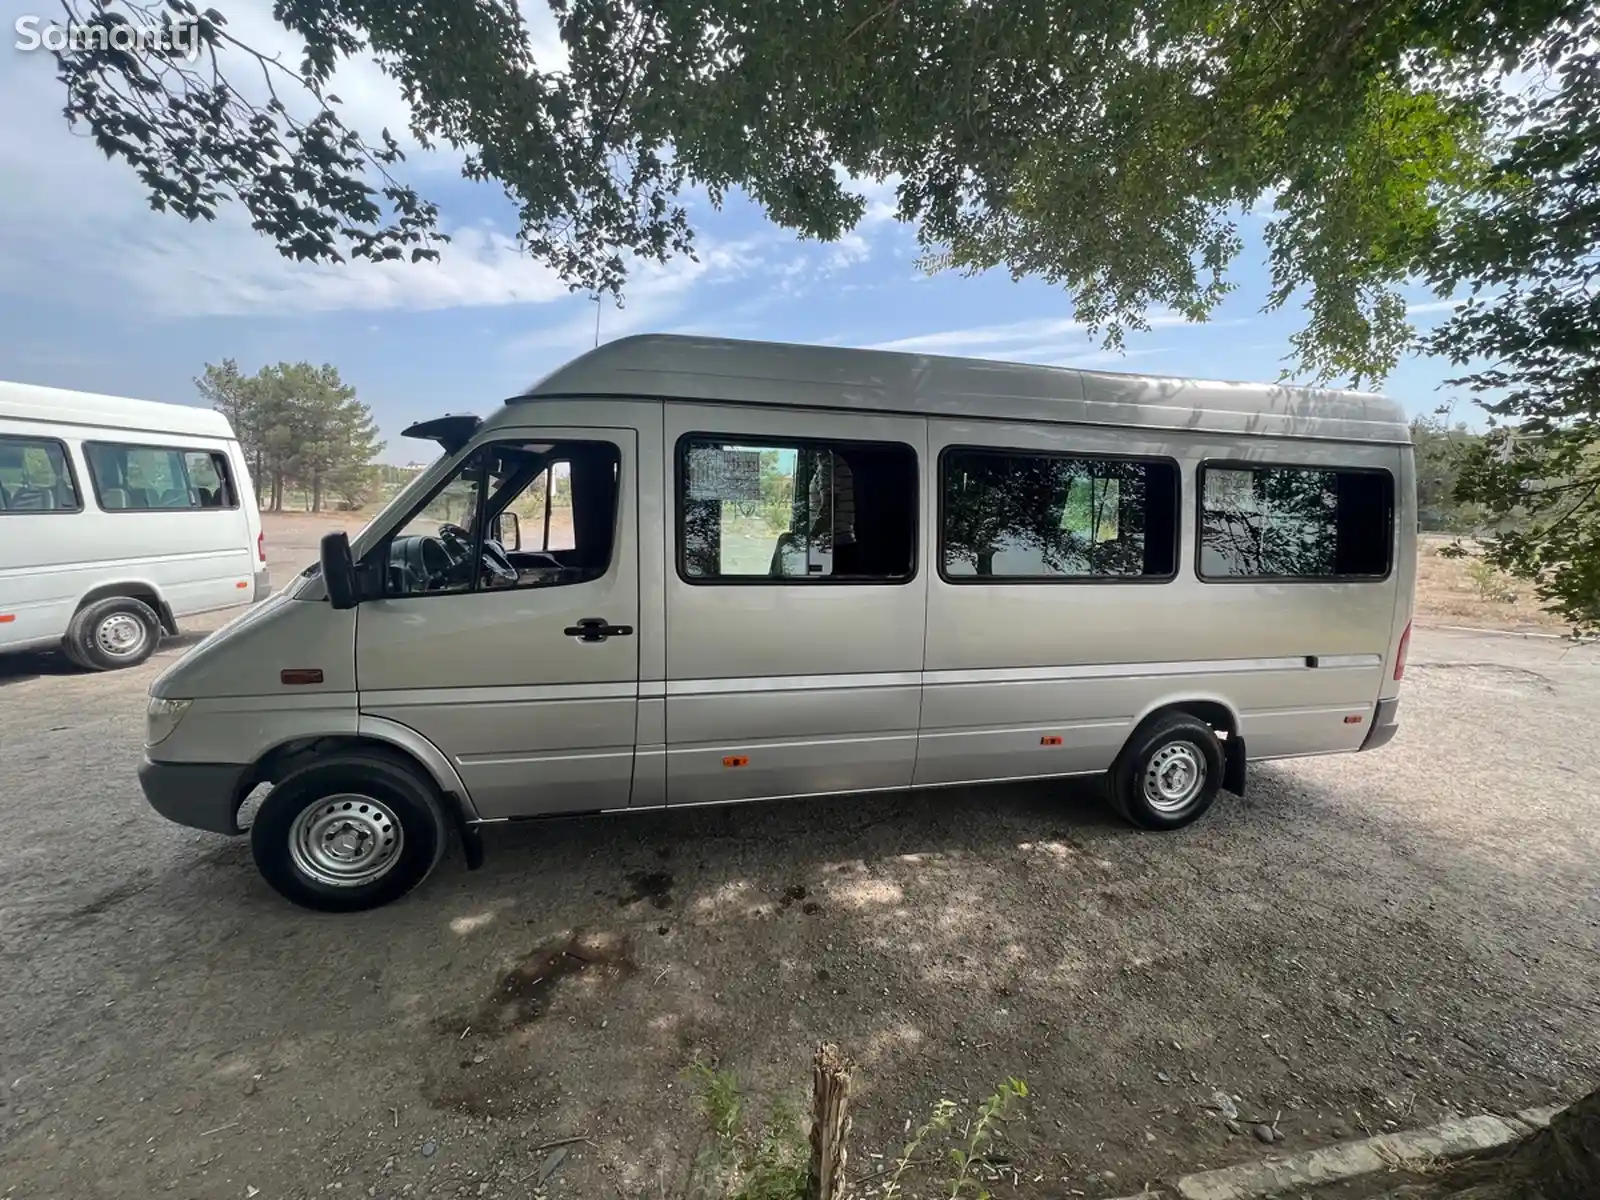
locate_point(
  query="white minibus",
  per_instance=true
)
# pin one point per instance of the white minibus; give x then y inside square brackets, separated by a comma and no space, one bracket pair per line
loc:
[118,518]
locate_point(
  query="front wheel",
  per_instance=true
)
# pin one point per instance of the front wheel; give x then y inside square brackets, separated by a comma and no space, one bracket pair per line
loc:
[349,832]
[1169,772]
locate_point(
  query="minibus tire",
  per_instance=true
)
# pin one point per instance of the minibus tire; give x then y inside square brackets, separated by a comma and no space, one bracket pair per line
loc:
[1173,738]
[83,641]
[397,790]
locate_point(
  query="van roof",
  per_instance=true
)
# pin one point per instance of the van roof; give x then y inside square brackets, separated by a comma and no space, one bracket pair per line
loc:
[732,371]
[57,406]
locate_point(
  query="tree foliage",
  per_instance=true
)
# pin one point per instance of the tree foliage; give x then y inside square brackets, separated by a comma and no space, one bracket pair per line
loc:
[301,428]
[1440,450]
[1110,148]
[1527,246]
[1107,147]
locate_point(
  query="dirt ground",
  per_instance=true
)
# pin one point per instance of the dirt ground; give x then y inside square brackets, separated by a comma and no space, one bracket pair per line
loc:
[1361,940]
[1448,594]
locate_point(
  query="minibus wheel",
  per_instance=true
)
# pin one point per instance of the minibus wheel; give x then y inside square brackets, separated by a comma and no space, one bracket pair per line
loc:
[1169,772]
[349,831]
[116,632]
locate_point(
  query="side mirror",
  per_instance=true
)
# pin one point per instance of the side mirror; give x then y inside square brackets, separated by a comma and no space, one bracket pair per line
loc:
[508,531]
[339,570]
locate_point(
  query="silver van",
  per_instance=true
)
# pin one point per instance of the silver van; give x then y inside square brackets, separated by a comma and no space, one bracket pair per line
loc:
[689,571]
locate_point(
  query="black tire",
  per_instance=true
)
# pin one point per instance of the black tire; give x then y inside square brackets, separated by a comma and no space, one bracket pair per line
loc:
[98,629]
[373,790]
[1166,749]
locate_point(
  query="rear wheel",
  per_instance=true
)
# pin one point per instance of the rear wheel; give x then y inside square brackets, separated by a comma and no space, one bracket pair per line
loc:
[1169,772]
[349,832]
[116,632]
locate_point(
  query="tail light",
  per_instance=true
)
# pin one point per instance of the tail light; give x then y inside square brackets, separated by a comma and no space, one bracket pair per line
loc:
[261,547]
[1400,658]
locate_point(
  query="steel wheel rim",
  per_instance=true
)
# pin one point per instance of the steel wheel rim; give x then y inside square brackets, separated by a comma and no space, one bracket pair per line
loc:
[346,840]
[121,635]
[1174,777]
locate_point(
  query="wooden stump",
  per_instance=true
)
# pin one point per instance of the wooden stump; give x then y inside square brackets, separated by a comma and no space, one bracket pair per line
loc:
[830,1123]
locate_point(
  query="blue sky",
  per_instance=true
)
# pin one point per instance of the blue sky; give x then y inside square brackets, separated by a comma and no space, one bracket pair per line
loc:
[98,293]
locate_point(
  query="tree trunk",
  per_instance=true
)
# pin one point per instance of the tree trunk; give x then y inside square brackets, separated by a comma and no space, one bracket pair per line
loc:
[830,1123]
[1561,1162]
[316,493]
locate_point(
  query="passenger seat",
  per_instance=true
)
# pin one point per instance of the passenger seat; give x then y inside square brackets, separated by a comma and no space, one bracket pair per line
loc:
[33,499]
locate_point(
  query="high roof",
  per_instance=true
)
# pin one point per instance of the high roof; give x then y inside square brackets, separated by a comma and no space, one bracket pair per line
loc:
[29,402]
[729,371]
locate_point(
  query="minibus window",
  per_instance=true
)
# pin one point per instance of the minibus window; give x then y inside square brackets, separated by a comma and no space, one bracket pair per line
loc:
[564,497]
[150,478]
[1294,523]
[35,477]
[208,476]
[801,511]
[1010,516]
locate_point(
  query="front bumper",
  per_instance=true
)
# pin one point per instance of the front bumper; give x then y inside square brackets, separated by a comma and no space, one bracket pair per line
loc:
[199,795]
[1385,724]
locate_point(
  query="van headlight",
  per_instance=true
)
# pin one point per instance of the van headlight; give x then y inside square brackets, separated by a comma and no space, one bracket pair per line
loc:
[161,717]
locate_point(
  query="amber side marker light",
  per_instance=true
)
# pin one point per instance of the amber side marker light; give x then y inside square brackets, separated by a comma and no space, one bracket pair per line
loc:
[296,675]
[1050,740]
[736,760]
[7,618]
[1352,720]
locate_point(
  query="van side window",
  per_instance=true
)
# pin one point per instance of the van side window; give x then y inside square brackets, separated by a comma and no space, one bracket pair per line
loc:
[36,476]
[513,515]
[757,511]
[158,478]
[208,478]
[1294,523]
[1006,515]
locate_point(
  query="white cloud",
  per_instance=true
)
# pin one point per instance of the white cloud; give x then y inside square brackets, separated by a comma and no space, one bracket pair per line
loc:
[848,251]
[478,268]
[882,202]
[1432,306]
[952,341]
[1032,340]
[74,224]
[1104,357]
[655,293]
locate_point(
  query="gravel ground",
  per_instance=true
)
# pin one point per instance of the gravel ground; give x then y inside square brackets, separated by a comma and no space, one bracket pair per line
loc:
[1364,939]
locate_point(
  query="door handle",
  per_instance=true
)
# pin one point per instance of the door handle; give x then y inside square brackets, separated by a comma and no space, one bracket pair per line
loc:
[597,629]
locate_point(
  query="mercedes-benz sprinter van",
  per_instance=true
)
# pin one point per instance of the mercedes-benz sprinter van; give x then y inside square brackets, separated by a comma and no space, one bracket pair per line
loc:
[119,518]
[689,571]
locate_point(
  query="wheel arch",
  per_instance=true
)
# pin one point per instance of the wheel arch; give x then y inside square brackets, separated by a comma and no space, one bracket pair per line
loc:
[372,733]
[134,589]
[1216,712]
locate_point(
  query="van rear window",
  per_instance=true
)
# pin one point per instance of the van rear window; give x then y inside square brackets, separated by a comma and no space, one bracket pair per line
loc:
[1294,523]
[1013,516]
[159,478]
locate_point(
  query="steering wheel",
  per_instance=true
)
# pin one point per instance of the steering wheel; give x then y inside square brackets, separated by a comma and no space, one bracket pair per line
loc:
[494,562]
